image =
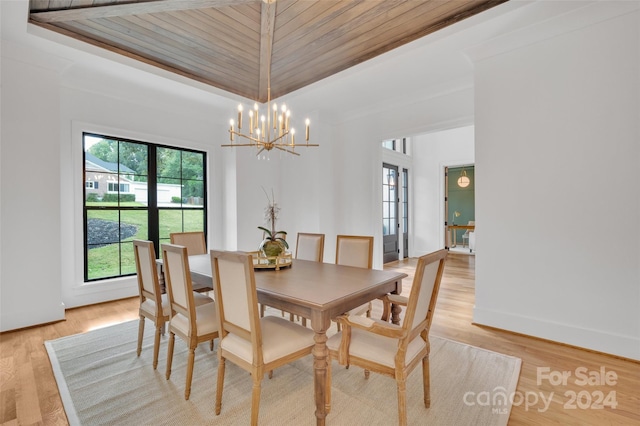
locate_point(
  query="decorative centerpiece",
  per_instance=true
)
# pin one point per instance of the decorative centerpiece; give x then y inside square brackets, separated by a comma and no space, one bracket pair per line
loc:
[274,243]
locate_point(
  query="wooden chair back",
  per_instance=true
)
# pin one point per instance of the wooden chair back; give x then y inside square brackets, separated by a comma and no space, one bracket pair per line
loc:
[236,298]
[424,292]
[148,283]
[178,281]
[310,247]
[353,250]
[193,241]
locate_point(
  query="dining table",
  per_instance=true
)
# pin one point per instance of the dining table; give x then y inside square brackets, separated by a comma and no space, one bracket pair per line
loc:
[316,291]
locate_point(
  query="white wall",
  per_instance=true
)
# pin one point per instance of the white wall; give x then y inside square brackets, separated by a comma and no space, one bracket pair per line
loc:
[30,284]
[560,117]
[433,152]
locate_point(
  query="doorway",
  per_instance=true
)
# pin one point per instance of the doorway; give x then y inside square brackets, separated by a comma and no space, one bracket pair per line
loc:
[459,205]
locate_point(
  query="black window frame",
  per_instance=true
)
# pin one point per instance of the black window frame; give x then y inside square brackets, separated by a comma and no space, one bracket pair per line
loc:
[152,207]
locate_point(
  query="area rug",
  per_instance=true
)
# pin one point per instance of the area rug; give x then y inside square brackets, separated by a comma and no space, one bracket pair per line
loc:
[103,382]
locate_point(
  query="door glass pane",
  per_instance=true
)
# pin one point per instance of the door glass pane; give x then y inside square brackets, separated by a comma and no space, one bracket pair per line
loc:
[405,201]
[389,180]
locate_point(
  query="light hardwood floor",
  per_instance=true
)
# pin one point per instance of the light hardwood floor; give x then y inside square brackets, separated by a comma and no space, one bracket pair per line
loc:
[29,395]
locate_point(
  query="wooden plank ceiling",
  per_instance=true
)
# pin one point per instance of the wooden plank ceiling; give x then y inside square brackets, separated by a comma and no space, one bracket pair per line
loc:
[233,44]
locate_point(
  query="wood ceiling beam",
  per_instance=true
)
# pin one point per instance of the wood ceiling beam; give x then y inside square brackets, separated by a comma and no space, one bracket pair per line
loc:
[110,11]
[267,25]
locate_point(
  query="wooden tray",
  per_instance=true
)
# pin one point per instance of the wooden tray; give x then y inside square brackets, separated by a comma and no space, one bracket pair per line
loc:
[260,261]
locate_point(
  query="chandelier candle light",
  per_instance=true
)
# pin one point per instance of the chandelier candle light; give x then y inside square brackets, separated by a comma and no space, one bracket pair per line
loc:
[271,128]
[268,131]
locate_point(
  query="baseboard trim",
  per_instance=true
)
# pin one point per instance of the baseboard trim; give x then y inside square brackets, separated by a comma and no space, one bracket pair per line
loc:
[619,346]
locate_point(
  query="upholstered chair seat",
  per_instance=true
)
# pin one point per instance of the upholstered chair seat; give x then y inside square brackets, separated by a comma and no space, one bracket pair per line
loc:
[206,321]
[279,338]
[149,305]
[377,348]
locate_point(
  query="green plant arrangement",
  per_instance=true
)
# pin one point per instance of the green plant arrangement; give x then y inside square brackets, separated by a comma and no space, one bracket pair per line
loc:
[274,242]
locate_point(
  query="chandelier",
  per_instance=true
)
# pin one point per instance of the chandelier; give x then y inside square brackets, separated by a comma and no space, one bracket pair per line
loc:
[270,128]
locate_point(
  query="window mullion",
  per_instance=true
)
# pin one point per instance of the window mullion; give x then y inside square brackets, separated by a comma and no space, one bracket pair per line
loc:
[152,194]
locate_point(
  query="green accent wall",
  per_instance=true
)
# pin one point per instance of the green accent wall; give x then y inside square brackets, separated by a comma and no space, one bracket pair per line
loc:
[461,199]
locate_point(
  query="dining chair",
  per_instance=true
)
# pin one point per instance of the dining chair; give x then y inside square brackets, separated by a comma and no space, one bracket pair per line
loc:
[192,323]
[255,344]
[389,349]
[193,241]
[151,296]
[310,246]
[354,250]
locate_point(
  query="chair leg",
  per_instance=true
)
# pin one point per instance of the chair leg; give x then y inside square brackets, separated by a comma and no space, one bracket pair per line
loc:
[156,346]
[220,385]
[327,395]
[172,341]
[402,402]
[386,310]
[190,361]
[426,383]
[140,334]
[255,399]
[366,374]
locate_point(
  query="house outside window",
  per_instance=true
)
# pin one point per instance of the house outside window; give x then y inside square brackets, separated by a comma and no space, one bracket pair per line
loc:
[137,190]
[114,187]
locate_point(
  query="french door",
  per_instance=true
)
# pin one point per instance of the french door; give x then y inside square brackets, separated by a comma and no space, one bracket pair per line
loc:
[390,222]
[405,213]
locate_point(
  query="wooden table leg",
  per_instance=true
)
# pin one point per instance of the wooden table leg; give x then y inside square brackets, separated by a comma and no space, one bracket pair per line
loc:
[396,309]
[395,314]
[320,359]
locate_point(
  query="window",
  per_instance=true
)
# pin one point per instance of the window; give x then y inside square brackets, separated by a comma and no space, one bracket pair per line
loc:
[398,145]
[148,191]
